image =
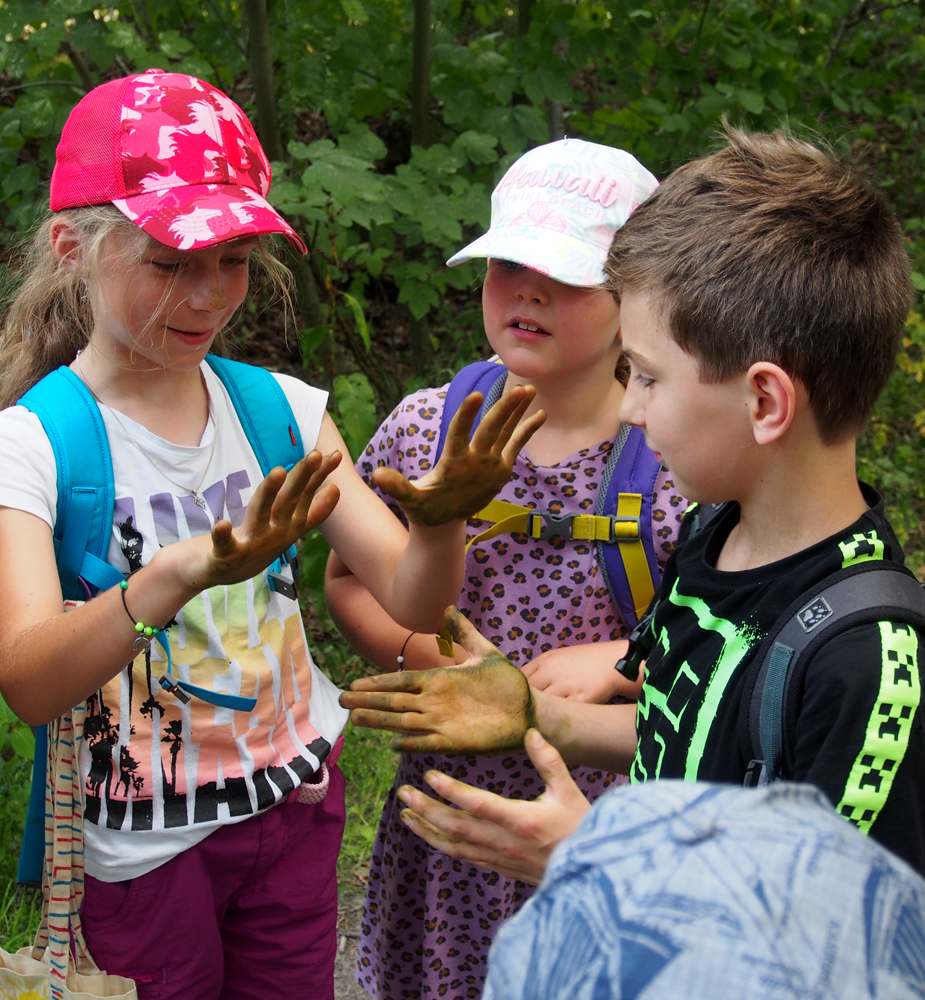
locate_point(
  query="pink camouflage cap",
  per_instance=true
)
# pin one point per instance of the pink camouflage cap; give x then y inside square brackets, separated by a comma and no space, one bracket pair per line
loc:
[557,208]
[174,155]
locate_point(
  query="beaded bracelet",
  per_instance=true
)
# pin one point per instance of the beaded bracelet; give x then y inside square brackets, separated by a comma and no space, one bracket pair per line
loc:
[145,631]
[400,659]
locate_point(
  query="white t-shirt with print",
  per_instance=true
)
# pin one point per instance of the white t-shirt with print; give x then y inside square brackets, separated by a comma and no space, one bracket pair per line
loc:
[160,776]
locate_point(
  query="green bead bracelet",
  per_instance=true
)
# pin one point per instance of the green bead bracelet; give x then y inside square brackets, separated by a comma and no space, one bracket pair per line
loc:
[139,626]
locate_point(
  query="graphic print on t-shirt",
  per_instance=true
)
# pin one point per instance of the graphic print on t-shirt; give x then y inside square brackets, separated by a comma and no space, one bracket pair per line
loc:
[721,647]
[855,727]
[156,763]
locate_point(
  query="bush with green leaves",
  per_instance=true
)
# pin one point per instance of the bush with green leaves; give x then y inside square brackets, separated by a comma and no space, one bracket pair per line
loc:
[385,154]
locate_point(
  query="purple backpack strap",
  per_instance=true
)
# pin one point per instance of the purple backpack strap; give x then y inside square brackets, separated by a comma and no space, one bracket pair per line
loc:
[635,471]
[477,377]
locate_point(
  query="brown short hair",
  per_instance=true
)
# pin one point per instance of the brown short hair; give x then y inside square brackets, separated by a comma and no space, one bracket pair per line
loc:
[771,250]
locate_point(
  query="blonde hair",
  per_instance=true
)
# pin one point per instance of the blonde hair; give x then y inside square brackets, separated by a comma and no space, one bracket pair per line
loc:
[50,317]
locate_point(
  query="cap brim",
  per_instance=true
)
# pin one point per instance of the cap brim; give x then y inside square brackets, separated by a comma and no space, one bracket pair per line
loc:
[558,255]
[202,215]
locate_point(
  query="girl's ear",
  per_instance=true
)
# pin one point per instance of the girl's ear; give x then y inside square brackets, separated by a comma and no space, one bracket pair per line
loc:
[65,244]
[772,401]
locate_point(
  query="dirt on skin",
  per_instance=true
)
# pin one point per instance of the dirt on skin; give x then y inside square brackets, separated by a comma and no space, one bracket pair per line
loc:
[350,908]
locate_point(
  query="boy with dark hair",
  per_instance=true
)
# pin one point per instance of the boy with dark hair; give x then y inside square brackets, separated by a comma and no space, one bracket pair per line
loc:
[763,291]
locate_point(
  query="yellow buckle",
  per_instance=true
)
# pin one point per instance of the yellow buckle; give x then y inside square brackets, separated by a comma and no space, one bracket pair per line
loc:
[624,529]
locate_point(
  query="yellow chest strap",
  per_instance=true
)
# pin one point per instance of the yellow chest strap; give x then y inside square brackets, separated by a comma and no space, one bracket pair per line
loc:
[623,529]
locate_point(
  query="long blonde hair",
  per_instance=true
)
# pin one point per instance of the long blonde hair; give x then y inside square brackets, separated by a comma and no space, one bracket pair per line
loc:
[50,317]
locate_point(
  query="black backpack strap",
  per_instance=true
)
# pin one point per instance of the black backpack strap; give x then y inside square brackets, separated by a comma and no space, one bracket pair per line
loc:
[860,595]
[697,517]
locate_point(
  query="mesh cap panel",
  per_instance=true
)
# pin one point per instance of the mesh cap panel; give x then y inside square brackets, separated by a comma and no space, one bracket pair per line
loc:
[88,169]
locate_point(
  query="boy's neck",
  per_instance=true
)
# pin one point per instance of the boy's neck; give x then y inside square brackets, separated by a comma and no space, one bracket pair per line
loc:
[799,498]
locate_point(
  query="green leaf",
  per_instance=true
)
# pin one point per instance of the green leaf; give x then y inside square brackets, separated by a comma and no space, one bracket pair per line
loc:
[355,11]
[477,147]
[173,44]
[6,713]
[313,562]
[420,297]
[676,123]
[918,281]
[735,58]
[751,100]
[359,318]
[311,338]
[23,742]
[356,410]
[25,177]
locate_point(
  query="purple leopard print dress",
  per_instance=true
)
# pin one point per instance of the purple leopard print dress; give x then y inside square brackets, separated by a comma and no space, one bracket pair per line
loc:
[429,919]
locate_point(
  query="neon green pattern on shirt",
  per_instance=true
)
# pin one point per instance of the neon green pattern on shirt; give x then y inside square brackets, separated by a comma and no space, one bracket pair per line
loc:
[736,645]
[888,728]
[660,701]
[862,547]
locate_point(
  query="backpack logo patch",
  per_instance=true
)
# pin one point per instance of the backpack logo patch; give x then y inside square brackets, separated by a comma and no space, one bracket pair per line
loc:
[814,614]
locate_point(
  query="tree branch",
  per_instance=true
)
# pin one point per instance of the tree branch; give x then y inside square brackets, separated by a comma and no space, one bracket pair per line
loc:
[80,65]
[260,60]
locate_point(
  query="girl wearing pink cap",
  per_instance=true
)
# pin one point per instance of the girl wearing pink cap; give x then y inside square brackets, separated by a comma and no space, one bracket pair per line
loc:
[213,809]
[429,919]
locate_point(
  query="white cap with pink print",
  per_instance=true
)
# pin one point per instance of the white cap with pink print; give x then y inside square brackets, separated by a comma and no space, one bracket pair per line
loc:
[558,206]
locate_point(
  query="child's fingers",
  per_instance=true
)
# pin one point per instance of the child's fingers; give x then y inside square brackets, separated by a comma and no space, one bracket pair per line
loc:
[314,487]
[548,763]
[504,435]
[410,681]
[293,489]
[467,635]
[521,435]
[392,482]
[511,404]
[394,722]
[322,503]
[260,508]
[460,429]
[223,543]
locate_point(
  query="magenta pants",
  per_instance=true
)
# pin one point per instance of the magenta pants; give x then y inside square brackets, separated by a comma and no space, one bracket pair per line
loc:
[250,912]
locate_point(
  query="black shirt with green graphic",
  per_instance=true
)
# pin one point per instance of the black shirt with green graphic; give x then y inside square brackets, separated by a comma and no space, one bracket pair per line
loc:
[859,732]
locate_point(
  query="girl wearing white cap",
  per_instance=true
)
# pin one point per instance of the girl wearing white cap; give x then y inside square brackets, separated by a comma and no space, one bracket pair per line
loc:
[541,593]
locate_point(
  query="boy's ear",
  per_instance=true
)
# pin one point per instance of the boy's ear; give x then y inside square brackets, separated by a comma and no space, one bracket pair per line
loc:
[772,401]
[65,244]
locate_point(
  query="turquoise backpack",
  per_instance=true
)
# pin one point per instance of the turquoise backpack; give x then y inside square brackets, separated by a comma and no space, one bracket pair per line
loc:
[83,526]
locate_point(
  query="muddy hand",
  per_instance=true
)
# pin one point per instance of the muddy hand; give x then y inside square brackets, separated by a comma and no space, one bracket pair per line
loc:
[482,706]
[469,473]
[283,508]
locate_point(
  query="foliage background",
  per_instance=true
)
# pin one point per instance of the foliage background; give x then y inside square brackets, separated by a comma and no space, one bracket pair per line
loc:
[387,141]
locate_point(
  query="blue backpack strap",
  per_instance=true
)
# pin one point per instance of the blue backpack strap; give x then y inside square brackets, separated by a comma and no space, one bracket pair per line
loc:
[634,470]
[86,492]
[477,377]
[264,412]
[271,429]
[83,526]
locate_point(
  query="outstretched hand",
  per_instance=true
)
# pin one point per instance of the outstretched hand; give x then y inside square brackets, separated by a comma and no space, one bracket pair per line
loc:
[482,706]
[512,837]
[470,473]
[282,509]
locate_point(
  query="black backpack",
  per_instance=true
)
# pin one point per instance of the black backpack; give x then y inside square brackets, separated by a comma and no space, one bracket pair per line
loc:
[859,595]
